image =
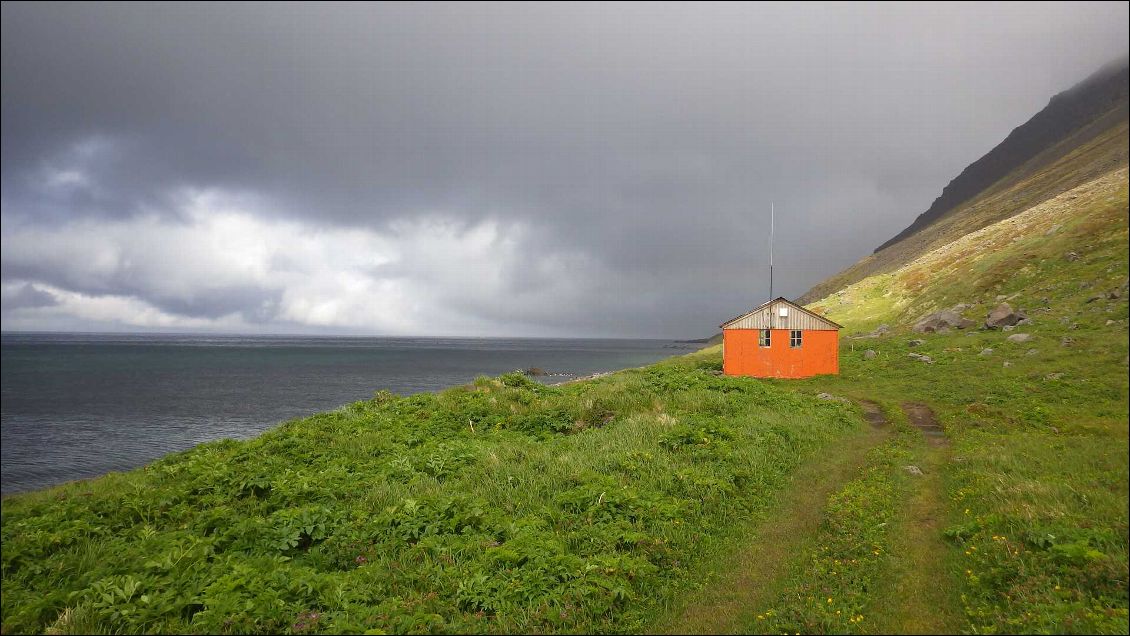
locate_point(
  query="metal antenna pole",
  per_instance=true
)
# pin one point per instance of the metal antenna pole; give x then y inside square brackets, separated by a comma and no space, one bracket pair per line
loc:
[772,222]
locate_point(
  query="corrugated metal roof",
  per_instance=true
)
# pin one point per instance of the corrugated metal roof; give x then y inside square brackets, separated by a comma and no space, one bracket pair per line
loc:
[768,316]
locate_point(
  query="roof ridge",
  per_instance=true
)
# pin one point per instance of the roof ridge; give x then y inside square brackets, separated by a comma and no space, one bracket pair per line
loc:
[786,300]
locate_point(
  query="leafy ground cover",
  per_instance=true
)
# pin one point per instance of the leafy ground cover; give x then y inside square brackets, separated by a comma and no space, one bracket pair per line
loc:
[502,506]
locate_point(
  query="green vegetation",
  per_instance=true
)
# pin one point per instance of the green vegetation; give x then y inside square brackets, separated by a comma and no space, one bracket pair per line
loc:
[501,506]
[829,588]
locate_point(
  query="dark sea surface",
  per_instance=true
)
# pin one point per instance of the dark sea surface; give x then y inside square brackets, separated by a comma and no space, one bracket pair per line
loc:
[80,405]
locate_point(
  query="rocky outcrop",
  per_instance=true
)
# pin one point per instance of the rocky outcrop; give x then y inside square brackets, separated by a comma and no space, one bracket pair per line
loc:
[879,332]
[1004,316]
[942,321]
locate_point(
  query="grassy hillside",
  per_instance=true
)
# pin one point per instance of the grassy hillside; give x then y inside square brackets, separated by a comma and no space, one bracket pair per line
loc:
[1037,482]
[504,506]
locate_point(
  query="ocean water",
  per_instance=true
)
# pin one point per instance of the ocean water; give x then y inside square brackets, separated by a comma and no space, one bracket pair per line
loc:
[80,405]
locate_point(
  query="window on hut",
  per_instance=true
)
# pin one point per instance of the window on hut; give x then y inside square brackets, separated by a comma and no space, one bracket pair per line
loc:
[765,338]
[795,337]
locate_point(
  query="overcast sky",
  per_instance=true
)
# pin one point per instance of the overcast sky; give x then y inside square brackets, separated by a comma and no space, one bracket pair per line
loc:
[489,170]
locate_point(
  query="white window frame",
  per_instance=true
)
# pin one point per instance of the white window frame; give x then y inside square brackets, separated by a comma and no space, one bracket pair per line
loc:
[796,338]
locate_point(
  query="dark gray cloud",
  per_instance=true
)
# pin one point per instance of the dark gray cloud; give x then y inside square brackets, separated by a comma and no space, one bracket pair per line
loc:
[28,296]
[598,169]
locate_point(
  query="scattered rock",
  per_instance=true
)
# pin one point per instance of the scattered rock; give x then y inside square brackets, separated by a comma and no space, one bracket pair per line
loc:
[1071,256]
[923,358]
[869,354]
[1053,376]
[1002,316]
[960,307]
[1008,327]
[913,470]
[1114,294]
[942,321]
[1066,341]
[1019,337]
[1095,297]
[1007,363]
[1001,297]
[829,396]
[879,332]
[1031,352]
[986,351]
[1109,323]
[1054,430]
[916,343]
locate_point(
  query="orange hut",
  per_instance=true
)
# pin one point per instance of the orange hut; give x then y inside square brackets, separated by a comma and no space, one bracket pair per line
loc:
[780,339]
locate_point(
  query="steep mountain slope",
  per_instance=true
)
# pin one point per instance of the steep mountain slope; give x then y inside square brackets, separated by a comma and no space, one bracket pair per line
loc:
[1081,134]
[1035,488]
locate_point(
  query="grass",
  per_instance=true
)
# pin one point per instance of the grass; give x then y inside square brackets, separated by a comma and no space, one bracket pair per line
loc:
[829,588]
[504,506]
[740,581]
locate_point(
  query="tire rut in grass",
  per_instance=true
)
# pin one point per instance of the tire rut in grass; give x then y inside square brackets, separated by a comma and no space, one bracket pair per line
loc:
[730,603]
[923,418]
[919,596]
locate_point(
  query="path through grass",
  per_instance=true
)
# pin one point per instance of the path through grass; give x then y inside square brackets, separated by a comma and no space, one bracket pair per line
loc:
[730,602]
[917,597]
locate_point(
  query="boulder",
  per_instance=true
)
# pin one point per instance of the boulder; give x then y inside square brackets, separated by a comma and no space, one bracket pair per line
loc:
[986,351]
[1019,337]
[916,343]
[942,321]
[869,354]
[879,332]
[1002,316]
[913,470]
[921,357]
[1071,256]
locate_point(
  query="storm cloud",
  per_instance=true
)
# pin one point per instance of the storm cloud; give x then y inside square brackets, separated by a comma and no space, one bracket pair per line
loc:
[489,169]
